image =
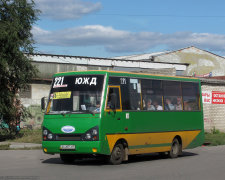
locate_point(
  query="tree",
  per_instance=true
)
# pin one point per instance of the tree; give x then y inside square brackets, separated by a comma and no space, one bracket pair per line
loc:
[16,70]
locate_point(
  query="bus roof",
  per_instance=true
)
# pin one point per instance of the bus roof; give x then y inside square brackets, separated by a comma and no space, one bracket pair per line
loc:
[127,74]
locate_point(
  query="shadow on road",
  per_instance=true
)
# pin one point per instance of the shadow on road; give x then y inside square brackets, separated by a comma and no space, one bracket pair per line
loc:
[80,162]
[154,157]
[132,159]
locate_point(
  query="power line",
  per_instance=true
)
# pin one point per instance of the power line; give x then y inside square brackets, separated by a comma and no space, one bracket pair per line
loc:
[165,15]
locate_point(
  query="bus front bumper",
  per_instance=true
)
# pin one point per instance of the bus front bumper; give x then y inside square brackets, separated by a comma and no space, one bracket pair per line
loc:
[80,147]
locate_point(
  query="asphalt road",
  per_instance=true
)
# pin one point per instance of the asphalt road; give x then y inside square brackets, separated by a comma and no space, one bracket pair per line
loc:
[199,163]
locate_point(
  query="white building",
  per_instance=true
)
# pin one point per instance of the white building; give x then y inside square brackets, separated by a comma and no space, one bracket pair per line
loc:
[200,61]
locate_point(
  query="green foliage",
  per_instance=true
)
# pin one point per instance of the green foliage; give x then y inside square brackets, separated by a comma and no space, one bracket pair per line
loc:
[215,139]
[29,136]
[4,147]
[215,131]
[16,70]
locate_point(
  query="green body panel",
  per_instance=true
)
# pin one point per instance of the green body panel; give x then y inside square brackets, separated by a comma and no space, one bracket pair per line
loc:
[140,122]
[81,122]
[117,123]
[82,147]
[198,141]
[152,122]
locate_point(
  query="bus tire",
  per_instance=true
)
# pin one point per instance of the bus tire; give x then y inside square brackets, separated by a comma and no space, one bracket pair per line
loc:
[175,150]
[67,158]
[117,154]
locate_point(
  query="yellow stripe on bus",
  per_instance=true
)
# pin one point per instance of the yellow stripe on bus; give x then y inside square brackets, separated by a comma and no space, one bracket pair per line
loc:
[152,142]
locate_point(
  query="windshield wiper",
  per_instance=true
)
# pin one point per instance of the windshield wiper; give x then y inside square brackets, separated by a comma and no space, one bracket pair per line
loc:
[88,111]
[72,112]
[65,112]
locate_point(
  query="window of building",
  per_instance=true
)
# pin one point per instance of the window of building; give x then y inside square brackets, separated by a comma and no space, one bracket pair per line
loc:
[180,72]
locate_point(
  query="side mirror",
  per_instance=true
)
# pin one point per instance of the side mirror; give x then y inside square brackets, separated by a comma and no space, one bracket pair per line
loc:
[43,104]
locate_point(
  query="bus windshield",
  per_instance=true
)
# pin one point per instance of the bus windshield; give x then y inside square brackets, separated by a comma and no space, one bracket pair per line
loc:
[76,94]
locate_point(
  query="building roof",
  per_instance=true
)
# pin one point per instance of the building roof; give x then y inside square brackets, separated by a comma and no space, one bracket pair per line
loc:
[141,56]
[218,77]
[150,56]
[212,81]
[108,62]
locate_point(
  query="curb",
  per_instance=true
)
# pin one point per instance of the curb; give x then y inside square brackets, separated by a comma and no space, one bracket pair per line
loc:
[14,145]
[24,145]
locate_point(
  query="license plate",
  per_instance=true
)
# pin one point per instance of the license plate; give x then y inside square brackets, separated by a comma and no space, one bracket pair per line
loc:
[67,147]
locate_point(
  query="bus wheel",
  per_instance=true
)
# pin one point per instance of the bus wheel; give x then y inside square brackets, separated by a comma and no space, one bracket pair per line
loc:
[67,158]
[175,149]
[117,154]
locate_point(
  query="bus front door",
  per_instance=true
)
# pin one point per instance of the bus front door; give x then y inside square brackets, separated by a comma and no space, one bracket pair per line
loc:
[114,110]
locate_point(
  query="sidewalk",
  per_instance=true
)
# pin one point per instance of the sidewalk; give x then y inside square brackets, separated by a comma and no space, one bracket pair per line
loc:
[16,145]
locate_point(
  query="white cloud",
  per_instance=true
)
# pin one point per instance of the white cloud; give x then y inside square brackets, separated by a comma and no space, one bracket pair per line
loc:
[124,41]
[39,32]
[66,9]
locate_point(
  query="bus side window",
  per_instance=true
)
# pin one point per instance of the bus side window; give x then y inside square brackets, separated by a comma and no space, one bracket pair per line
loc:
[135,94]
[158,94]
[113,99]
[172,96]
[151,94]
[123,83]
[190,93]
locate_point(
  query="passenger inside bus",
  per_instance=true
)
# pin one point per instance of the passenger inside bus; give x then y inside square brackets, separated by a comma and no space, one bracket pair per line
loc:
[157,106]
[150,106]
[178,105]
[97,106]
[187,106]
[169,106]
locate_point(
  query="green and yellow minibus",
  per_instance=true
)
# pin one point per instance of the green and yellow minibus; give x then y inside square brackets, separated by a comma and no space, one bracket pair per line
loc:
[116,114]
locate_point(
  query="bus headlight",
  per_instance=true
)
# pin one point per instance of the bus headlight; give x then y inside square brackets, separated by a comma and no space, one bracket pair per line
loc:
[88,136]
[47,135]
[94,132]
[50,136]
[91,135]
[45,132]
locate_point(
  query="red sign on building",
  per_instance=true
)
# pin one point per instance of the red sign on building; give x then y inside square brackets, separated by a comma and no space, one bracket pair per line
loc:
[207,97]
[218,97]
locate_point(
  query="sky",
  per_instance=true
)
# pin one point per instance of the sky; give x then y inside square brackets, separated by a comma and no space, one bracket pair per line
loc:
[109,28]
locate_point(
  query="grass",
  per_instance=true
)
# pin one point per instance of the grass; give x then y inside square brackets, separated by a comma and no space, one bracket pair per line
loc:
[28,136]
[4,147]
[24,136]
[215,138]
